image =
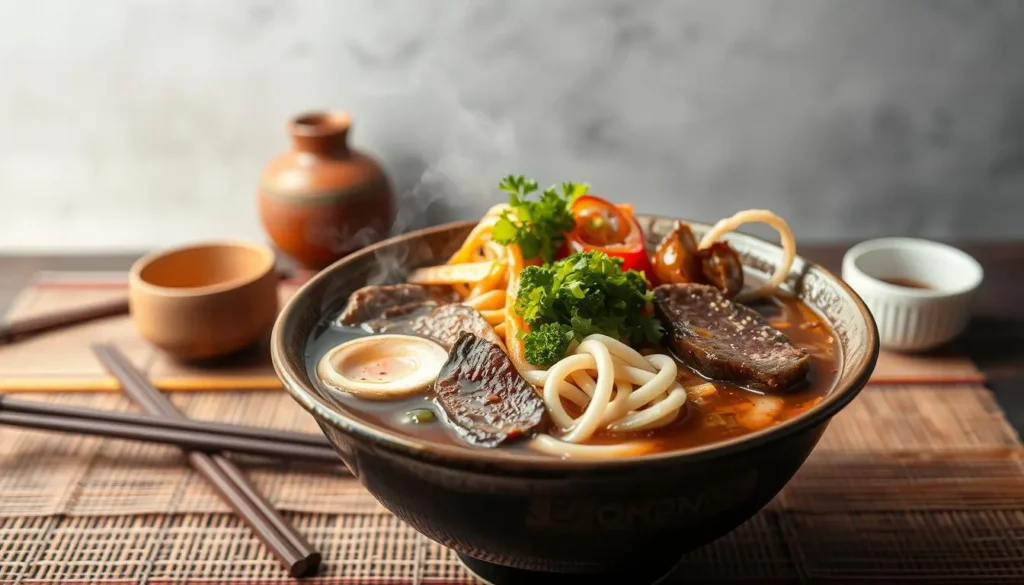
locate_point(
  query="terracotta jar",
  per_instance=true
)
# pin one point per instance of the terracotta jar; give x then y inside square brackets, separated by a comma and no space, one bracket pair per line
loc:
[322,200]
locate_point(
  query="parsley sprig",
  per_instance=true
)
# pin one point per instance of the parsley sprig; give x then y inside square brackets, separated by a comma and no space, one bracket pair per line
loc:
[536,225]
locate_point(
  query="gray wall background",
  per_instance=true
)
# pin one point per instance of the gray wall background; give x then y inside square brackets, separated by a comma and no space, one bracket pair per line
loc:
[134,124]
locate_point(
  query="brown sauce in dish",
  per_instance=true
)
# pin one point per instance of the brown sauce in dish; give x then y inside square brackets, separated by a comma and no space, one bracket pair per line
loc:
[906,283]
[717,417]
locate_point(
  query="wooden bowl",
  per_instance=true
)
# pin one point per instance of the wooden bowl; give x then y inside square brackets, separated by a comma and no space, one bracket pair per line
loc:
[204,300]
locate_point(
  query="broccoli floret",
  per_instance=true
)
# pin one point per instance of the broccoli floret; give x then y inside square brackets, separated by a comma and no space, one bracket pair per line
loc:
[585,293]
[547,344]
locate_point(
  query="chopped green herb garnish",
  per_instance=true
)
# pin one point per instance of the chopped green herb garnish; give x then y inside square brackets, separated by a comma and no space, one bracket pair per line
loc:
[419,416]
[536,226]
[583,294]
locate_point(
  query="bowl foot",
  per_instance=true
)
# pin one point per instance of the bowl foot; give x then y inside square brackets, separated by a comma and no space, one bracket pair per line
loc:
[493,574]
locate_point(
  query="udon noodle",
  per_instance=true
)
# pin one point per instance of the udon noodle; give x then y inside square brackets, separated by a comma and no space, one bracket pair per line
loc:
[631,392]
[729,224]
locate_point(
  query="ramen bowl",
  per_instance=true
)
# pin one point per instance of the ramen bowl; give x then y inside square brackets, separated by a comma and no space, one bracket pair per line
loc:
[516,518]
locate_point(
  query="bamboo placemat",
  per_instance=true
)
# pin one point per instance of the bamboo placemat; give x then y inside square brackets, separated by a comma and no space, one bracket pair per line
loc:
[61,361]
[911,482]
[908,482]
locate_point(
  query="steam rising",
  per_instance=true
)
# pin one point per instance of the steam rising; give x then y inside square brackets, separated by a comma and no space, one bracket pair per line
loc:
[449,164]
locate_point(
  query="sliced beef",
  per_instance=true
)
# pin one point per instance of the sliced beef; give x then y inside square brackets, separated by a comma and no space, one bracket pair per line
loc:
[406,310]
[389,301]
[728,341]
[483,394]
[443,324]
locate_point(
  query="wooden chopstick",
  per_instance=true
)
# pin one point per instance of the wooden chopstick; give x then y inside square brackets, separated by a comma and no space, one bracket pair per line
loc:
[10,332]
[294,552]
[184,433]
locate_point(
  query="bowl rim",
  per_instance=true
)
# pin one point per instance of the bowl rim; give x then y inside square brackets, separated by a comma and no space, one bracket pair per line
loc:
[461,457]
[889,245]
[136,281]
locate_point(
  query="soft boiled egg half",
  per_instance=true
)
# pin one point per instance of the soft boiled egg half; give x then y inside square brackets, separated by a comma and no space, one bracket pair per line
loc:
[382,367]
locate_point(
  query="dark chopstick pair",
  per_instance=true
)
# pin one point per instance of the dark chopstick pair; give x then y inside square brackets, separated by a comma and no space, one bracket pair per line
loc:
[186,433]
[292,549]
[166,424]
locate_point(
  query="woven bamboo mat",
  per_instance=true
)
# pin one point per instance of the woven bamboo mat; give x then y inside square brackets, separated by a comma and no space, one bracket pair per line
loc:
[911,482]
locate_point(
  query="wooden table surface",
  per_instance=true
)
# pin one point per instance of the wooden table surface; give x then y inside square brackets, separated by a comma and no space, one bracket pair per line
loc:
[995,337]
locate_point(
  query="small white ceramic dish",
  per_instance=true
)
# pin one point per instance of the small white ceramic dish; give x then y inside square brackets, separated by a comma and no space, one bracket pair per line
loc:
[914,318]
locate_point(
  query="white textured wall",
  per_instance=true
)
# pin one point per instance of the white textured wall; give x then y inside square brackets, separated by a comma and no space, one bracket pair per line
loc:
[140,123]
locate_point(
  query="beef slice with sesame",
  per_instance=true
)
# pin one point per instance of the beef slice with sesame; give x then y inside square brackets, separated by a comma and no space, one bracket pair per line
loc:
[484,396]
[725,340]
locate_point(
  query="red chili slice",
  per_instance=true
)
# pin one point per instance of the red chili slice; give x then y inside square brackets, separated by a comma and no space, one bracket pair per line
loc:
[603,226]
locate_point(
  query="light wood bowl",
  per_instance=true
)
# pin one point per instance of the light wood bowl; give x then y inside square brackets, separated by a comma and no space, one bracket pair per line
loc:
[204,300]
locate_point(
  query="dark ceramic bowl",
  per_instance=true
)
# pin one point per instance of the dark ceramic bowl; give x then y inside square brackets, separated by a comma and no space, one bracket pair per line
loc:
[568,516]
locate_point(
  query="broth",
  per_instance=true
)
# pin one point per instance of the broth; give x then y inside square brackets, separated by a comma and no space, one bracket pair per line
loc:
[906,283]
[703,421]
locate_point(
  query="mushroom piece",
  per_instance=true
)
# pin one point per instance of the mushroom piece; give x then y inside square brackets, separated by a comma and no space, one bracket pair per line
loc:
[676,259]
[723,268]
